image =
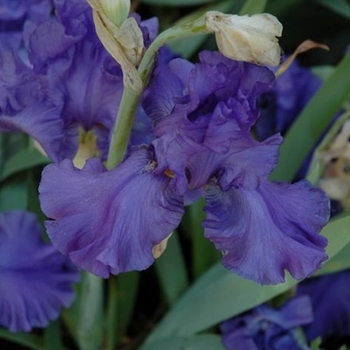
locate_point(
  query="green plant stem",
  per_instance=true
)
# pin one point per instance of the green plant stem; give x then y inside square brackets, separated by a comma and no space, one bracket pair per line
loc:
[122,128]
[129,101]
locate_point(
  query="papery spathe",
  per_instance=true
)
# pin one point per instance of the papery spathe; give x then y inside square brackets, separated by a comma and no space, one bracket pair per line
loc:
[116,10]
[124,43]
[247,38]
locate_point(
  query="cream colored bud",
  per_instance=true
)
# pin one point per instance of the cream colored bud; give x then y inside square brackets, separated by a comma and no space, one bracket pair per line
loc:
[124,43]
[116,10]
[247,38]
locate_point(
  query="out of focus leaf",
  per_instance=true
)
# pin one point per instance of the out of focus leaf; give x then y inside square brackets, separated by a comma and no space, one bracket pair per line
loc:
[24,159]
[315,345]
[122,294]
[29,341]
[323,72]
[53,336]
[204,254]
[171,270]
[341,7]
[339,262]
[253,6]
[198,342]
[312,122]
[178,2]
[85,318]
[14,194]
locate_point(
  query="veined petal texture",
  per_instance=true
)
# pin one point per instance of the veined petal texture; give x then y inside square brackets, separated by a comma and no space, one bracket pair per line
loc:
[264,231]
[109,221]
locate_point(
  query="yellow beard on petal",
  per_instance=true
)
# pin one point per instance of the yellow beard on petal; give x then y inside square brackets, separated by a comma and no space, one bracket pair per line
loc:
[87,148]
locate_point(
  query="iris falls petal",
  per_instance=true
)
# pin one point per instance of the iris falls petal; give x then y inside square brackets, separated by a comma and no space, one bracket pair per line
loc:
[109,222]
[267,230]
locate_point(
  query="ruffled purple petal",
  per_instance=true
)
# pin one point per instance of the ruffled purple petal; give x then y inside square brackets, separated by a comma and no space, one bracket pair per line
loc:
[19,87]
[36,280]
[242,79]
[24,106]
[243,162]
[42,49]
[165,96]
[42,122]
[76,17]
[226,152]
[203,114]
[108,222]
[265,231]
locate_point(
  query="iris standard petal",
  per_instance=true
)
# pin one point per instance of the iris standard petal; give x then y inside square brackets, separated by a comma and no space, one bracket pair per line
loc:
[36,280]
[109,222]
[265,231]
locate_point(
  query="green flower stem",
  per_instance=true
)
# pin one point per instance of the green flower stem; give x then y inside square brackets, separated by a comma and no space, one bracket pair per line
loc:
[122,128]
[192,28]
[129,101]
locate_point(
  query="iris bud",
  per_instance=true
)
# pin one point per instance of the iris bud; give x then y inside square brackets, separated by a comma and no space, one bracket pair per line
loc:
[116,10]
[247,38]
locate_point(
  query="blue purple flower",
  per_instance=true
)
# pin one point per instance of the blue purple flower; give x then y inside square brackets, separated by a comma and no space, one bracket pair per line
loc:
[203,115]
[330,297]
[268,328]
[36,280]
[70,87]
[109,222]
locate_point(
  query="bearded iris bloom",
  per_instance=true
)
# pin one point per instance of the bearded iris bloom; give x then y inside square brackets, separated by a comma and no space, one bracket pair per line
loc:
[36,280]
[246,214]
[109,222]
[67,92]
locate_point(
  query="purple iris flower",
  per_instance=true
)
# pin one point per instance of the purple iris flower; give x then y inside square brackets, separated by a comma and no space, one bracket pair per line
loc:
[281,106]
[73,85]
[36,280]
[267,328]
[110,222]
[330,297]
[203,116]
